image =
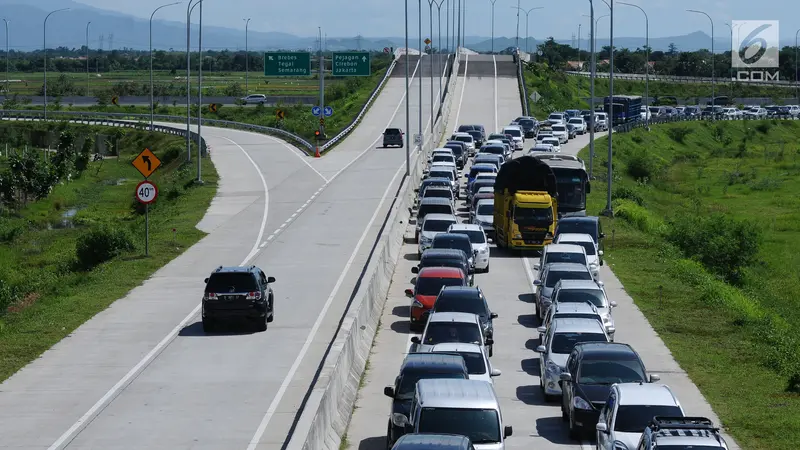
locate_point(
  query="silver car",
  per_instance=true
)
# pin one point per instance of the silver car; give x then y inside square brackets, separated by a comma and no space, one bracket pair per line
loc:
[551,274]
[474,355]
[452,327]
[484,215]
[583,291]
[432,225]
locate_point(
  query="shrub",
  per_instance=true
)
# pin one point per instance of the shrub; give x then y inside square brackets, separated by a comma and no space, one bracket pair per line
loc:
[637,216]
[8,296]
[763,127]
[627,193]
[100,245]
[641,165]
[171,154]
[678,134]
[723,245]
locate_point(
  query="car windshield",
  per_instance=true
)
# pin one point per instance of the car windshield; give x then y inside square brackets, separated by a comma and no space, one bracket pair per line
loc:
[465,128]
[473,172]
[551,141]
[559,128]
[464,138]
[481,426]
[536,214]
[472,304]
[564,257]
[554,276]
[493,149]
[588,246]
[457,332]
[514,132]
[476,186]
[442,174]
[487,209]
[556,117]
[408,382]
[526,123]
[634,418]
[457,150]
[595,296]
[391,131]
[432,285]
[610,372]
[475,134]
[232,282]
[443,157]
[563,343]
[475,236]
[437,225]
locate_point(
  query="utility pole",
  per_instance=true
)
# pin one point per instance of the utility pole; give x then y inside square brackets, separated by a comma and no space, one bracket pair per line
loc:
[246,60]
[609,211]
[321,83]
[580,58]
[358,42]
[87,56]
[408,113]
[200,95]
[592,64]
[421,53]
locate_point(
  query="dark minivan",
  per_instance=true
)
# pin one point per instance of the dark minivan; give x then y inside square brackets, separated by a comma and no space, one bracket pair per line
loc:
[582,225]
[457,242]
[238,293]
[415,367]
[445,257]
[459,150]
[393,137]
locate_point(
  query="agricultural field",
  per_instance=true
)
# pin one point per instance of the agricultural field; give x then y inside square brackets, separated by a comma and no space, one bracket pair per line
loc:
[706,237]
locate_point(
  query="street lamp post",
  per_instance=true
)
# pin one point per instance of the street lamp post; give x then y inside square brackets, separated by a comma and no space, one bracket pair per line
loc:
[796,84]
[246,59]
[200,92]
[408,112]
[45,57]
[430,21]
[580,58]
[421,52]
[609,211]
[713,71]
[7,55]
[527,22]
[152,96]
[519,8]
[647,62]
[493,2]
[87,57]
[593,24]
[189,9]
[439,40]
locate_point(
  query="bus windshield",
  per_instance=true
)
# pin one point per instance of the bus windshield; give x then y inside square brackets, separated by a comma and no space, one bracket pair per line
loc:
[571,187]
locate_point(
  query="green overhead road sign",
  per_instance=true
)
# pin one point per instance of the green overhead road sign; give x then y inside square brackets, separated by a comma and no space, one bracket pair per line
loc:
[351,64]
[287,64]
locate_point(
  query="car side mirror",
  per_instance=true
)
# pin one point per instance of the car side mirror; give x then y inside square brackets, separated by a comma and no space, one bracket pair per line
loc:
[415,340]
[205,281]
[600,283]
[537,282]
[495,373]
[600,253]
[493,315]
[388,391]
[466,175]
[601,427]
[416,190]
[613,304]
[508,431]
[602,263]
[489,341]
[542,330]
[655,377]
[270,279]
[535,267]
[565,376]
[415,269]
[409,292]
[541,349]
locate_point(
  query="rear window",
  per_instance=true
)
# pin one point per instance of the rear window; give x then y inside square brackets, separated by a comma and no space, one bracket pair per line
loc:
[464,138]
[390,131]
[463,245]
[564,257]
[582,227]
[513,132]
[438,193]
[442,174]
[493,150]
[554,276]
[559,128]
[434,209]
[232,282]
[465,128]
[476,170]
[486,209]
[432,285]
[437,225]
[443,158]
[526,123]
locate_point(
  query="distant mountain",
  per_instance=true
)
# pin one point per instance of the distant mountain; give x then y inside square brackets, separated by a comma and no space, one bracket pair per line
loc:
[67,29]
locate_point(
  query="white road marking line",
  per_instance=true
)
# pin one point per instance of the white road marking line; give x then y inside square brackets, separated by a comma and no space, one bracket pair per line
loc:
[310,338]
[463,87]
[269,238]
[295,214]
[115,390]
[302,155]
[494,62]
[282,225]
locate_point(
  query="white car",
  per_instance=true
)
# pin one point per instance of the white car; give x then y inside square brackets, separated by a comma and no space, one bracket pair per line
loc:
[516,133]
[557,119]
[467,139]
[561,133]
[480,244]
[756,113]
[451,327]
[587,291]
[542,148]
[478,365]
[731,113]
[579,124]
[622,420]
[553,142]
[432,225]
[587,242]
[484,215]
[601,119]
[569,310]
[254,99]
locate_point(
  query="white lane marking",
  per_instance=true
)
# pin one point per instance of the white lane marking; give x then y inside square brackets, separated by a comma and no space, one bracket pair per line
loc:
[263,244]
[295,214]
[262,427]
[463,87]
[115,390]
[300,154]
[269,238]
[494,62]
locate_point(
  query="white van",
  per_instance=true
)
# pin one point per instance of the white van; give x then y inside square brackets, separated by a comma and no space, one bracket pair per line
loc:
[516,133]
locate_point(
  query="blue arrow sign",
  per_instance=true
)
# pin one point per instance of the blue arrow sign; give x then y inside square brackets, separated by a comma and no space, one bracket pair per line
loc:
[316,111]
[328,111]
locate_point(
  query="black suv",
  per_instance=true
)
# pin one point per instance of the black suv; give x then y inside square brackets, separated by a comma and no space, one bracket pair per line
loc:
[392,137]
[238,293]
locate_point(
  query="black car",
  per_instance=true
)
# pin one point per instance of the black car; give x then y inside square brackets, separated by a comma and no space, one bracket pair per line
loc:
[467,300]
[393,137]
[445,257]
[415,367]
[457,242]
[591,369]
[582,225]
[529,127]
[238,293]
[459,150]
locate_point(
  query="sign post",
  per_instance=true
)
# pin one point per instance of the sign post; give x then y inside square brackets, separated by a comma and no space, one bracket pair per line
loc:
[146,191]
[352,64]
[287,64]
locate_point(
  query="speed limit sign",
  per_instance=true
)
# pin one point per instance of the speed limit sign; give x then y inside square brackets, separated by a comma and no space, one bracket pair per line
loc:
[146,192]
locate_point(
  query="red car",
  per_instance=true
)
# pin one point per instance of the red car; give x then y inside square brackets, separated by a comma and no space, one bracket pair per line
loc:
[429,282]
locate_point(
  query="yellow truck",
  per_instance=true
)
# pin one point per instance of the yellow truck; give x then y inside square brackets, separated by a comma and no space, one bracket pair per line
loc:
[525,204]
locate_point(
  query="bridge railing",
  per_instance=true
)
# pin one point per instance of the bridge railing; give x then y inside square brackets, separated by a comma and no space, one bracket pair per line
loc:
[680,79]
[523,87]
[627,127]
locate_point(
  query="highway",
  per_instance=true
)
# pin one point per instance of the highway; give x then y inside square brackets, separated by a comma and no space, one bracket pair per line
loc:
[481,97]
[142,374]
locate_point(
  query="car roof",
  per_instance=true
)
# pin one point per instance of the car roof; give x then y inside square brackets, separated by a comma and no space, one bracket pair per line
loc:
[594,219]
[567,267]
[564,248]
[453,317]
[606,350]
[456,347]
[440,272]
[435,201]
[653,394]
[463,289]
[456,393]
[483,166]
[574,325]
[443,253]
[575,237]
[575,307]
[429,441]
[234,269]
[452,236]
[439,216]
[579,284]
[485,201]
[423,361]
[436,179]
[466,227]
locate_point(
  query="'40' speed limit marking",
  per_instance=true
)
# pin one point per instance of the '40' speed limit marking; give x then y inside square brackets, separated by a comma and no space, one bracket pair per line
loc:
[146,192]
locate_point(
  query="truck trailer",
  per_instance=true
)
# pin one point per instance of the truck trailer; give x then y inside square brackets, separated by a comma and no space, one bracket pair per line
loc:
[525,204]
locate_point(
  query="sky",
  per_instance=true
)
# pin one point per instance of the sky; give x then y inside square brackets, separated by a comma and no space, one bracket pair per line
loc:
[560,18]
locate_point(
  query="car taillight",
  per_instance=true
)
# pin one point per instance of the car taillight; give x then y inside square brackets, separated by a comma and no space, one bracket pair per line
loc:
[254,296]
[211,296]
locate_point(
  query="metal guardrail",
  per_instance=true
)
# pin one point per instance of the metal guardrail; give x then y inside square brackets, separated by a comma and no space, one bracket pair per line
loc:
[363,111]
[523,87]
[673,119]
[679,79]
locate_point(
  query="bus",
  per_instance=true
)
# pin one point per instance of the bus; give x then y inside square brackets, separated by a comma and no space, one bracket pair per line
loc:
[572,182]
[627,108]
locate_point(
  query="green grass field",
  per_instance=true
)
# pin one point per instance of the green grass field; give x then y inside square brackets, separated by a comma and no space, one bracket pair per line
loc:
[738,342]
[38,251]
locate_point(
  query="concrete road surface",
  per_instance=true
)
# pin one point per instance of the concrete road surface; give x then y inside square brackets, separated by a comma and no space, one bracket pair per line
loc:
[494,102]
[143,375]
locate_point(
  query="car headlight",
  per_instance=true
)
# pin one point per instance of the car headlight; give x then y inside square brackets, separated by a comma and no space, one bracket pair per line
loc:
[399,419]
[417,304]
[579,403]
[484,250]
[553,368]
[517,236]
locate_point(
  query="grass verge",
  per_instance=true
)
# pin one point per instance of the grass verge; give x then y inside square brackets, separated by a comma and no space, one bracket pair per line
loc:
[733,329]
[46,293]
